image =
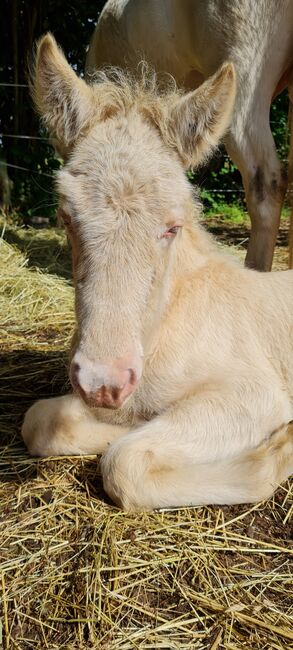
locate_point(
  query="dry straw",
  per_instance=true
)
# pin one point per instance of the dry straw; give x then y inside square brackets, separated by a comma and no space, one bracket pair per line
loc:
[76,572]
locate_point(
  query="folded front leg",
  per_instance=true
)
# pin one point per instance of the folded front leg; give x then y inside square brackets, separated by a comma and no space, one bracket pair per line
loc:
[66,426]
[202,451]
[138,477]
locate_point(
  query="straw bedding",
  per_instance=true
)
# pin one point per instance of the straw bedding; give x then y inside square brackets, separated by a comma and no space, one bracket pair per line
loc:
[76,572]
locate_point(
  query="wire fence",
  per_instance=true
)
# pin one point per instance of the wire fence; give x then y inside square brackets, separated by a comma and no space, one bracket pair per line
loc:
[24,137]
[8,85]
[47,139]
[40,173]
[3,163]
[25,169]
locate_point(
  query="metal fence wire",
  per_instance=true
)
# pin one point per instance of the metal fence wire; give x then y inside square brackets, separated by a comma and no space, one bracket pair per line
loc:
[22,136]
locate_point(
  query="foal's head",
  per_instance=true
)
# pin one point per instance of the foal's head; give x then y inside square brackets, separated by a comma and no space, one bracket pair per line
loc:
[123,198]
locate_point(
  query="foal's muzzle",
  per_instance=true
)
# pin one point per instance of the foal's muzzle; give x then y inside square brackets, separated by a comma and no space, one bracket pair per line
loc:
[106,383]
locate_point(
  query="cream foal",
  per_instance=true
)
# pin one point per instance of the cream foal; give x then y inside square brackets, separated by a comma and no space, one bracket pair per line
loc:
[182,361]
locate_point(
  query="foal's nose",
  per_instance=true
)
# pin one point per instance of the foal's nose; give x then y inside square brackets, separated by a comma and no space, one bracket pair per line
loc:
[104,384]
[111,397]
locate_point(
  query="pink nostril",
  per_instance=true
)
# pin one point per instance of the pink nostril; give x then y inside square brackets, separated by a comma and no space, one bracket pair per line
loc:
[132,376]
[115,392]
[103,383]
[74,370]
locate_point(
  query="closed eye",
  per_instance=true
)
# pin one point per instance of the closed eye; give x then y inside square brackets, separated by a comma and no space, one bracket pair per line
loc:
[171,232]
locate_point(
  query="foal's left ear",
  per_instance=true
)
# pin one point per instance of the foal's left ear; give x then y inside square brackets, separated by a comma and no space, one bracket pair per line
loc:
[64,101]
[200,118]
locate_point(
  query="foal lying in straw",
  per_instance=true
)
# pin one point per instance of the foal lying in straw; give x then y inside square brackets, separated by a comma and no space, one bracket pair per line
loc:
[182,360]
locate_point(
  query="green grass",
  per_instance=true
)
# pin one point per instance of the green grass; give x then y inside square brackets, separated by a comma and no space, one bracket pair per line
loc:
[236,213]
[230,212]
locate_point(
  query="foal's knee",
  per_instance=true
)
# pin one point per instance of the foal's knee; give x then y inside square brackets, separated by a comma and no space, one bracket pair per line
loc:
[122,469]
[132,475]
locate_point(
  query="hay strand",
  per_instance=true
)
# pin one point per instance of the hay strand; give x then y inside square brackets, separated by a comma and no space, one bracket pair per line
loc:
[77,573]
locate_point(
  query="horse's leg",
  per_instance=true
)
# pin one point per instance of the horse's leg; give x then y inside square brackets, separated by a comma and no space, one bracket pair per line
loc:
[290,172]
[65,426]
[252,148]
[144,477]
[203,450]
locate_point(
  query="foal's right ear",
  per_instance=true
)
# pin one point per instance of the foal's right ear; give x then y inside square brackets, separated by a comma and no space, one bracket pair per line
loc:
[199,119]
[64,101]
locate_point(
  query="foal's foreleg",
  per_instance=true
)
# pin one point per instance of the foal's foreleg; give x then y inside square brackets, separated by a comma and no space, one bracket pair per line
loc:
[140,478]
[66,426]
[199,451]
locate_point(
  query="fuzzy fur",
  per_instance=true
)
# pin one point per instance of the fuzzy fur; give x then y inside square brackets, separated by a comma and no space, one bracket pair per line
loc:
[208,421]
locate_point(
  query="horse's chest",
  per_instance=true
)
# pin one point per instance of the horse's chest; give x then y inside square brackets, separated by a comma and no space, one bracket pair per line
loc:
[161,387]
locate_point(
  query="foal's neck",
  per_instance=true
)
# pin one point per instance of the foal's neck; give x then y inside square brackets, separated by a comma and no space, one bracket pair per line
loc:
[187,255]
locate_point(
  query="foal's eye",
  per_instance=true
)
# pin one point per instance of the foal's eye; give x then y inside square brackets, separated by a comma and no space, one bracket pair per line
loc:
[171,232]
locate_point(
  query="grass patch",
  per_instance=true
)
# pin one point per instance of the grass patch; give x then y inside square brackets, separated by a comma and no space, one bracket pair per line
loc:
[236,214]
[228,212]
[76,572]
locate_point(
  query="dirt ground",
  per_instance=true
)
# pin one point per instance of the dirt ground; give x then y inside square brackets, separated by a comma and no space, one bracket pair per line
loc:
[237,235]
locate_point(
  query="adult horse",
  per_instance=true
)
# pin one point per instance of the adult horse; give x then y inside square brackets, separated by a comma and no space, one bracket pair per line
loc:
[191,39]
[182,360]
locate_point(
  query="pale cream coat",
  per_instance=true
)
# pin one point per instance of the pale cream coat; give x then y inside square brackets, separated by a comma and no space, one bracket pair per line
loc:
[212,342]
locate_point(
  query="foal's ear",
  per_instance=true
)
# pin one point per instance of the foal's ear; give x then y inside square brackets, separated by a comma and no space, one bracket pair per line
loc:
[64,101]
[200,118]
